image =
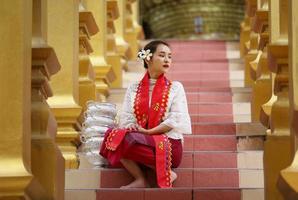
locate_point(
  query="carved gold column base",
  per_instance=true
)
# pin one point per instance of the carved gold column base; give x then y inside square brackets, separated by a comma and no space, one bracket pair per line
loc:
[260,95]
[115,61]
[131,38]
[48,168]
[276,157]
[248,81]
[266,111]
[104,77]
[15,181]
[288,181]
[68,134]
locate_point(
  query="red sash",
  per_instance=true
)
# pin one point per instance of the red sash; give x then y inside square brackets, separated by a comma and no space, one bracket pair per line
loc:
[149,118]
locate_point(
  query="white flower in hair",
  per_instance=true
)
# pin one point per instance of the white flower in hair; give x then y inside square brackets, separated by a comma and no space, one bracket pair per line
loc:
[145,54]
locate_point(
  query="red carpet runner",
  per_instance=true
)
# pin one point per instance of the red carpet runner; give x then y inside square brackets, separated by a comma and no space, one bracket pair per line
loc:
[209,166]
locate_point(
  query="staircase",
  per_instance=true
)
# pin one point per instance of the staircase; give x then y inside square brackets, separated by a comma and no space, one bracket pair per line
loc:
[214,167]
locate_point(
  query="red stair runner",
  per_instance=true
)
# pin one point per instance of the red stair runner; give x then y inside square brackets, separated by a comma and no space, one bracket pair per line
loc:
[209,166]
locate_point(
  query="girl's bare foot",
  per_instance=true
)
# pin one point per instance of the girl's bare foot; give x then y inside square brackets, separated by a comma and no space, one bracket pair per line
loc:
[173,176]
[138,183]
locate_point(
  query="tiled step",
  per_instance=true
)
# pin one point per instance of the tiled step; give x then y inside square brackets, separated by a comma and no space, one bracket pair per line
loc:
[198,66]
[208,97]
[210,143]
[114,178]
[215,160]
[144,194]
[203,55]
[220,89]
[215,178]
[227,118]
[199,75]
[217,194]
[80,194]
[196,44]
[255,194]
[213,128]
[210,108]
[205,83]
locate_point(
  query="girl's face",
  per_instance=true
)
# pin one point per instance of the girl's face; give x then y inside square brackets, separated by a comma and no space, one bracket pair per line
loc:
[161,61]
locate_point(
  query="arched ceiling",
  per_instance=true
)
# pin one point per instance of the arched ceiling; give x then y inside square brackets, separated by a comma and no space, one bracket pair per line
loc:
[176,18]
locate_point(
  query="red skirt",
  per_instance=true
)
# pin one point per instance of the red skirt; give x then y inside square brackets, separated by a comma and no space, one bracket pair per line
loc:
[139,148]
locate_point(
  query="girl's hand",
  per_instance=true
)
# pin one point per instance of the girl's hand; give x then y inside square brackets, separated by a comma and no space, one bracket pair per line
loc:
[142,130]
[132,127]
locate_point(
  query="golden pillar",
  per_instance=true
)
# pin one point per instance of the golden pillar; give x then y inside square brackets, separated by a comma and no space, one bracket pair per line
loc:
[47,160]
[244,35]
[113,57]
[259,68]
[277,143]
[135,15]
[131,30]
[288,179]
[251,46]
[104,73]
[15,83]
[63,36]
[87,28]
[122,46]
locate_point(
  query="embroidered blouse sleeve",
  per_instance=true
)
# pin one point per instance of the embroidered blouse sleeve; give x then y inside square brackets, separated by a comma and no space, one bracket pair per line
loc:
[126,115]
[178,117]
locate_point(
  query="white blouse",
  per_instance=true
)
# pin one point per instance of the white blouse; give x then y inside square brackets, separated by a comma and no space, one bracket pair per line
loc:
[176,115]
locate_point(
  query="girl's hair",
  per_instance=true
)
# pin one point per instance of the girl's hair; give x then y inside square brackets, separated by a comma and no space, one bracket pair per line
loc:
[153,46]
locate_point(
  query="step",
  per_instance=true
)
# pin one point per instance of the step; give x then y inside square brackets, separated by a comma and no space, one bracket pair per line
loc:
[217,194]
[114,178]
[223,118]
[206,83]
[199,66]
[250,129]
[224,88]
[80,194]
[144,194]
[199,75]
[251,178]
[216,178]
[213,128]
[215,160]
[74,180]
[203,55]
[197,44]
[208,97]
[210,143]
[255,194]
[250,159]
[210,108]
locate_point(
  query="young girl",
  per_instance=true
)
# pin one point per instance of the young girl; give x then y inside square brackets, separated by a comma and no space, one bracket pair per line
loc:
[153,120]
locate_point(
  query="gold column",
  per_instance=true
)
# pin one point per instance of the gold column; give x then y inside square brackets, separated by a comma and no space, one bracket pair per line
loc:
[135,16]
[63,36]
[277,143]
[104,73]
[131,31]
[87,27]
[15,69]
[259,68]
[287,183]
[47,160]
[251,46]
[113,57]
[244,35]
[122,46]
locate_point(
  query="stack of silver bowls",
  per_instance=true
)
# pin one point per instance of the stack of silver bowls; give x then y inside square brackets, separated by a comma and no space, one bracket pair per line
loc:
[99,117]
